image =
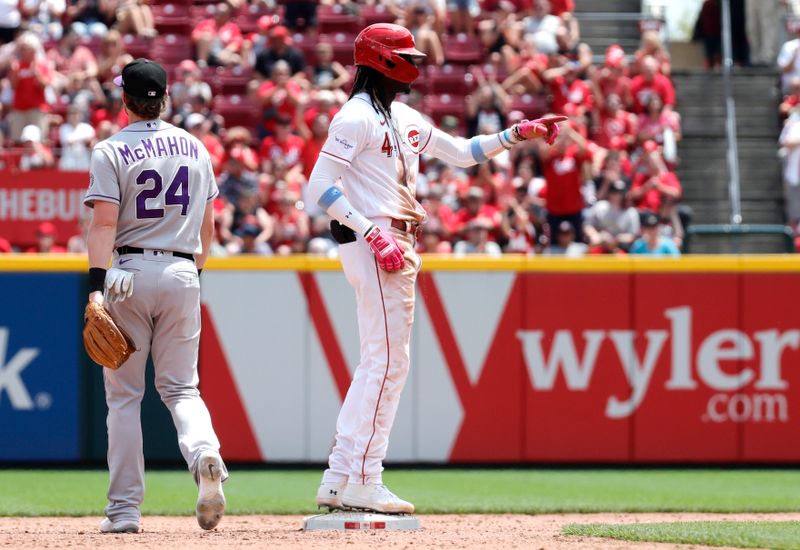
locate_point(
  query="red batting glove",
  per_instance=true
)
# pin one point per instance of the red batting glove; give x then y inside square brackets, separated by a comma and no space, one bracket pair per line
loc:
[546,128]
[387,252]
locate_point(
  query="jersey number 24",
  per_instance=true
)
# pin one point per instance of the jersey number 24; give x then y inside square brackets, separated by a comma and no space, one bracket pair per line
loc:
[177,193]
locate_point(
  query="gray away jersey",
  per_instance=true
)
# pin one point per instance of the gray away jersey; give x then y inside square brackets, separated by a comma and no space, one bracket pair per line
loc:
[161,177]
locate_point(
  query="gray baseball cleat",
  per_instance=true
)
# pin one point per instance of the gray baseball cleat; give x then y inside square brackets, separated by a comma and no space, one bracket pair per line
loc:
[330,495]
[210,500]
[121,526]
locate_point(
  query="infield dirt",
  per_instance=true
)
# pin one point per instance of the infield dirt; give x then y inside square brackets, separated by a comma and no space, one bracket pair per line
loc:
[438,531]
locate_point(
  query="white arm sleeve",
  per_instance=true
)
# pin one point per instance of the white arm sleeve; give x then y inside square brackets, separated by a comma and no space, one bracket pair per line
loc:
[331,199]
[468,152]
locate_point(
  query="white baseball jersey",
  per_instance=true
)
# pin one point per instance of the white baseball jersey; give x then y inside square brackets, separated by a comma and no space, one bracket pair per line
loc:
[161,176]
[382,157]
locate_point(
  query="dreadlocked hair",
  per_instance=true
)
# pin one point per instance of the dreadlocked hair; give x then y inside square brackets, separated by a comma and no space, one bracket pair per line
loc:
[367,80]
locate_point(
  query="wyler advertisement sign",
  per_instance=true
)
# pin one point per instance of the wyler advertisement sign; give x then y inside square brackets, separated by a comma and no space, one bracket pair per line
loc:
[40,365]
[645,368]
[522,367]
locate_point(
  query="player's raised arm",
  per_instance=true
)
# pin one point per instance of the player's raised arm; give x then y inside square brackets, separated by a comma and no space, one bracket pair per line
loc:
[468,152]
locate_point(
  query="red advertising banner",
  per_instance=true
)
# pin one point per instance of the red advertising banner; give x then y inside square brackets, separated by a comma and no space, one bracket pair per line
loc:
[29,198]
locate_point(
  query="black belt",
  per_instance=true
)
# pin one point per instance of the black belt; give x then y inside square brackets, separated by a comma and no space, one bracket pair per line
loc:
[136,250]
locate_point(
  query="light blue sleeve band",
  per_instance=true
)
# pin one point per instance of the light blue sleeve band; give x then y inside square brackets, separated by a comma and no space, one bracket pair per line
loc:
[477,150]
[329,197]
[506,136]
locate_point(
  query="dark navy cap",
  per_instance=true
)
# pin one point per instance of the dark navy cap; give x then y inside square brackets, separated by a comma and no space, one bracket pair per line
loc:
[143,79]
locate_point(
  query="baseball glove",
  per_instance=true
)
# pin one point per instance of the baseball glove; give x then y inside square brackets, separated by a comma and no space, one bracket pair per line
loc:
[105,342]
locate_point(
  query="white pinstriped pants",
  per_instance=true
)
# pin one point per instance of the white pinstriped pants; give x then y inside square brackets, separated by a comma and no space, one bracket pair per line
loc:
[385,305]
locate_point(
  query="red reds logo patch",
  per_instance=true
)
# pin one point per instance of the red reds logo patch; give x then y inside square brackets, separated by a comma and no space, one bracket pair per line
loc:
[412,137]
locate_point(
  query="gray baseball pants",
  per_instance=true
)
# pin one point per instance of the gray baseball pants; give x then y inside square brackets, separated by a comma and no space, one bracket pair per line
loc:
[163,319]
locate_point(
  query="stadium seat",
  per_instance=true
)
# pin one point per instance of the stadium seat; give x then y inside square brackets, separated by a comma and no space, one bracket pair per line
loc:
[92,42]
[533,106]
[172,48]
[137,46]
[308,47]
[198,12]
[438,106]
[450,79]
[333,19]
[376,14]
[172,18]
[237,110]
[462,48]
[246,23]
[234,80]
[342,46]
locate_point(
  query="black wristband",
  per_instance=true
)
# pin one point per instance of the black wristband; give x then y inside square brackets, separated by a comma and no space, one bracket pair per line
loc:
[97,279]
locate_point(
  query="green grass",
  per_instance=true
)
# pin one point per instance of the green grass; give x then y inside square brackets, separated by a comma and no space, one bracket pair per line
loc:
[46,492]
[779,535]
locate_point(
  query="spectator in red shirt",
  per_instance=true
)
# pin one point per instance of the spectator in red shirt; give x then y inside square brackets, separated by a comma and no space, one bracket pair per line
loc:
[792,99]
[237,143]
[279,96]
[563,166]
[29,74]
[613,122]
[652,45]
[433,239]
[526,69]
[565,87]
[314,138]
[560,7]
[650,82]
[282,147]
[45,240]
[475,206]
[218,40]
[439,211]
[197,125]
[76,69]
[612,78]
[656,184]
[112,117]
[659,124]
[292,225]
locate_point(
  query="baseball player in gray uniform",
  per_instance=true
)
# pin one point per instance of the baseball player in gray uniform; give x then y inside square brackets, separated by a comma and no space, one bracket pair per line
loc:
[151,187]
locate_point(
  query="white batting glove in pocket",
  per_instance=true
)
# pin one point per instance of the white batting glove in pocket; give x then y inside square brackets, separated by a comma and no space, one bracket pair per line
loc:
[119,285]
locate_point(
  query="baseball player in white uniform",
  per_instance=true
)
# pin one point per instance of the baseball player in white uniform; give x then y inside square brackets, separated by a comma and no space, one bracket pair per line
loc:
[151,187]
[373,148]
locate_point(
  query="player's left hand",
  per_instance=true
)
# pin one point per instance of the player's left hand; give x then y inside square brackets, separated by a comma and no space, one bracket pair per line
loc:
[546,127]
[119,285]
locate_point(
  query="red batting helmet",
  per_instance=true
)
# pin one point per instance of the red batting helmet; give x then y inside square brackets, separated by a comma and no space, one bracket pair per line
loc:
[382,47]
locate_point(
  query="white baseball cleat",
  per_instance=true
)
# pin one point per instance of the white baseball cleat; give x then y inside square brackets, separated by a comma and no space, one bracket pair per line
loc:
[122,526]
[375,497]
[330,495]
[210,500]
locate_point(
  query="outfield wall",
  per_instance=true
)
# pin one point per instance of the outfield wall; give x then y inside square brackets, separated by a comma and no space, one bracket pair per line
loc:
[616,360]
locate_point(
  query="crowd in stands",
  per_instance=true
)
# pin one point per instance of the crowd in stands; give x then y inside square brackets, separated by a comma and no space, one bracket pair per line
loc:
[258,83]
